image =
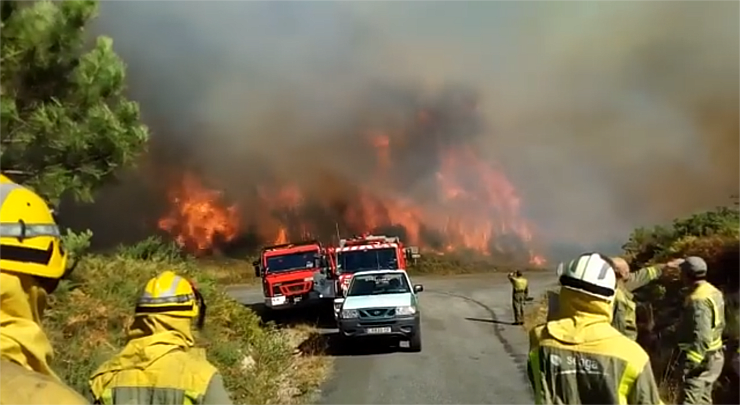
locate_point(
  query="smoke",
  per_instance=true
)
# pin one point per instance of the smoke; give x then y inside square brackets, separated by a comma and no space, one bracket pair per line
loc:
[605,115]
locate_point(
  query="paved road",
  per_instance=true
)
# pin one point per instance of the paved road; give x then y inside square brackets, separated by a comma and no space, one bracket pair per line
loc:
[471,354]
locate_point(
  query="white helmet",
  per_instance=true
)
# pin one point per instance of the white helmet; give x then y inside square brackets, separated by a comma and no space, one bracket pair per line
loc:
[590,273]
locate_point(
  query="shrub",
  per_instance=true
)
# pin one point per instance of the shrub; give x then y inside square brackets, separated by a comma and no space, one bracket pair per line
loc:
[152,248]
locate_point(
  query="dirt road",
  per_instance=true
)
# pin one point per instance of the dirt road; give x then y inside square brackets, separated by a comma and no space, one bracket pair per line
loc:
[471,353]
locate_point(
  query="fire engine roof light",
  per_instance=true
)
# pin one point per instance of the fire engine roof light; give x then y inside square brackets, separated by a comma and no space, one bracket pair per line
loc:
[368,239]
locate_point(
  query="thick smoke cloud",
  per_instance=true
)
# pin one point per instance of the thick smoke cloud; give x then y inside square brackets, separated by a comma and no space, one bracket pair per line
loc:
[606,115]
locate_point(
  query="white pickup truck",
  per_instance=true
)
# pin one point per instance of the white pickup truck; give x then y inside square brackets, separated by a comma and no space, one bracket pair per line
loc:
[380,304]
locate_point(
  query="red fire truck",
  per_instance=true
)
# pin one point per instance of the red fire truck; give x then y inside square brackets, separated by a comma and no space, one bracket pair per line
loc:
[295,274]
[369,252]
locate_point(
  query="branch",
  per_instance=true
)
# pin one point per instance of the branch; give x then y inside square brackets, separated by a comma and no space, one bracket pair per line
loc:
[18,172]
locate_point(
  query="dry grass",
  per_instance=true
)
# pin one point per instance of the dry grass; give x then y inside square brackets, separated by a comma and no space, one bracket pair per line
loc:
[462,263]
[259,362]
[228,271]
[536,313]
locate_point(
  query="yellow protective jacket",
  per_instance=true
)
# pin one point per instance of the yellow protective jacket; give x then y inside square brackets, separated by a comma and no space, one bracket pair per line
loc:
[519,285]
[703,322]
[625,308]
[579,358]
[25,351]
[158,365]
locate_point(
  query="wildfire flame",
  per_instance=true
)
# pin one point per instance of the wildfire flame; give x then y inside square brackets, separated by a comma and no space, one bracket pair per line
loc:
[471,205]
[197,218]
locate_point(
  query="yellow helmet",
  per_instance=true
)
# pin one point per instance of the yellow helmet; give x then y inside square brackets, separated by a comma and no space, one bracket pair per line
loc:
[30,242]
[170,294]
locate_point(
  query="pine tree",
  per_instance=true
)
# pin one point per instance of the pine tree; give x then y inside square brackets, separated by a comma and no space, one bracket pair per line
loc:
[66,125]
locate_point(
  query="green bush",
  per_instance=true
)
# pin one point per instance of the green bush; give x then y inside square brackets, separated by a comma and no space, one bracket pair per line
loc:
[152,248]
[76,243]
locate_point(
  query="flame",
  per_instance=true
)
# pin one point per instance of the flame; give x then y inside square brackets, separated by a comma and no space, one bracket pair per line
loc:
[469,204]
[196,218]
[281,238]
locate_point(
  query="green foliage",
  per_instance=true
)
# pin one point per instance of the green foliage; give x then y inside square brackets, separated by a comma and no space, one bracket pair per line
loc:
[65,122]
[152,248]
[76,243]
[646,244]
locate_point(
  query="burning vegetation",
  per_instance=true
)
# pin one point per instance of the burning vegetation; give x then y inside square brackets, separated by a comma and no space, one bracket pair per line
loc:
[409,168]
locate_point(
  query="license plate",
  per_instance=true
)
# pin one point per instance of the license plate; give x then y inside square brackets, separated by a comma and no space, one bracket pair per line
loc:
[297,299]
[375,331]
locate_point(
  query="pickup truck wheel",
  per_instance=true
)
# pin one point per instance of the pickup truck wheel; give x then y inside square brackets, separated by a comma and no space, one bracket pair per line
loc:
[415,342]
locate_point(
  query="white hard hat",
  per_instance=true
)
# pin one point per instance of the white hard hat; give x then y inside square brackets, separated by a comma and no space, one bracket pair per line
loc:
[590,273]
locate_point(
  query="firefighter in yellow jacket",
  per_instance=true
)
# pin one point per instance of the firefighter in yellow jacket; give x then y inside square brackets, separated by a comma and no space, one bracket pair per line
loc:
[32,261]
[701,333]
[159,364]
[578,357]
[625,309]
[519,294]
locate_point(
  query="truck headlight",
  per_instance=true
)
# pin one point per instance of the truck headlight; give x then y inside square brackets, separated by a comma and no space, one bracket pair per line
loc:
[407,310]
[349,313]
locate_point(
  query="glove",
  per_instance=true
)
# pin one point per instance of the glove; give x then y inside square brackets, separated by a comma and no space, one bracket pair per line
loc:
[674,264]
[671,268]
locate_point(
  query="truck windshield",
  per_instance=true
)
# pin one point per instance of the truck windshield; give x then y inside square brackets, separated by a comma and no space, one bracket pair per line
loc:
[291,261]
[371,259]
[378,284]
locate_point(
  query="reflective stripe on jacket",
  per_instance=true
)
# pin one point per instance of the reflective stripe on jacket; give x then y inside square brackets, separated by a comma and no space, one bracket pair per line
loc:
[178,377]
[519,284]
[158,365]
[703,322]
[579,358]
[625,308]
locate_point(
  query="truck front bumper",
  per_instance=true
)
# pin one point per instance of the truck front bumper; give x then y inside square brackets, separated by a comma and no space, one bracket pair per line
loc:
[292,301]
[401,327]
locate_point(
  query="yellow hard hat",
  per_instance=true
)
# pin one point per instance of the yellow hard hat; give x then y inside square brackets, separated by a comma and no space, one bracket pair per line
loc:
[30,242]
[170,294]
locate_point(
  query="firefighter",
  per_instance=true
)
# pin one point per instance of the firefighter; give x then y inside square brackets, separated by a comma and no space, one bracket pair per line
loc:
[159,364]
[701,332]
[519,294]
[579,358]
[32,261]
[625,316]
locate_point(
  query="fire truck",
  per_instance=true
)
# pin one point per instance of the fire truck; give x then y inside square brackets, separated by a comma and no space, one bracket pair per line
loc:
[368,252]
[295,274]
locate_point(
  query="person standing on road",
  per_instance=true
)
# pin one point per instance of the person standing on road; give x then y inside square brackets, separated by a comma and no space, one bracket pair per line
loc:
[579,357]
[159,364]
[701,332]
[32,261]
[519,294]
[625,315]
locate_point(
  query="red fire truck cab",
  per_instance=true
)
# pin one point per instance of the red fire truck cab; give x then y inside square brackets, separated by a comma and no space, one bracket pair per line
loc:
[369,252]
[290,272]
